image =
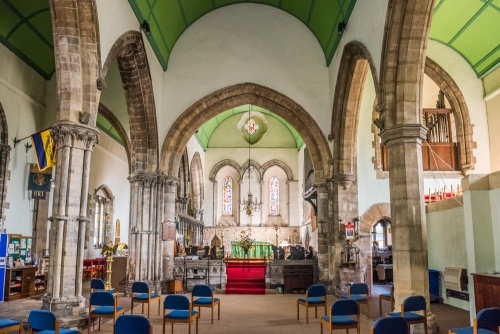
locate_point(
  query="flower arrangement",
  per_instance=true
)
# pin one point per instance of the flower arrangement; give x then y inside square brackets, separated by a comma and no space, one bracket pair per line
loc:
[246,240]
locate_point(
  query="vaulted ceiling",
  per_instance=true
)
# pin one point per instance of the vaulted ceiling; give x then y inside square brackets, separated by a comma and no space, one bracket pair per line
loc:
[169,19]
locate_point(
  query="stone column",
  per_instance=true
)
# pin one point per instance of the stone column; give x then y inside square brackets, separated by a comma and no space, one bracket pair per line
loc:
[74,143]
[168,215]
[145,227]
[4,176]
[323,231]
[409,241]
[345,207]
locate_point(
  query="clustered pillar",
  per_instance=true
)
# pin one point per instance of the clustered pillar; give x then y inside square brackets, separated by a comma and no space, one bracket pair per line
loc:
[74,144]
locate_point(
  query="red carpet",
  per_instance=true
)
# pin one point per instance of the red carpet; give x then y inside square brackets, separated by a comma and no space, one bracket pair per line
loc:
[246,277]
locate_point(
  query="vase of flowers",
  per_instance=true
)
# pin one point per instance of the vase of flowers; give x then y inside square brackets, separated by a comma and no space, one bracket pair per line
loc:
[246,241]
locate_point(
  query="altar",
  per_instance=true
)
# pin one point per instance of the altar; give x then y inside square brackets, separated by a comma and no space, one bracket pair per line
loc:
[259,250]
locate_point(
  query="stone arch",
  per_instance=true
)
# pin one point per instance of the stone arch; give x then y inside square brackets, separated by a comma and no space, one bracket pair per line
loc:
[255,166]
[233,96]
[403,59]
[354,65]
[110,117]
[197,184]
[281,164]
[75,31]
[130,53]
[110,209]
[4,161]
[462,116]
[223,163]
[372,215]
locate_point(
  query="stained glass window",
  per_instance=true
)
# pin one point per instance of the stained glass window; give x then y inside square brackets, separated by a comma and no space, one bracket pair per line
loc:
[251,126]
[227,196]
[274,196]
[379,235]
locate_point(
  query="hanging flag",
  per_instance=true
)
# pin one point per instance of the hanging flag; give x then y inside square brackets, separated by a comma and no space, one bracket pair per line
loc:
[45,153]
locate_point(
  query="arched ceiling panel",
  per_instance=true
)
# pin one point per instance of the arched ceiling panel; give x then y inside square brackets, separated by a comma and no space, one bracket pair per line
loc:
[470,27]
[170,18]
[206,130]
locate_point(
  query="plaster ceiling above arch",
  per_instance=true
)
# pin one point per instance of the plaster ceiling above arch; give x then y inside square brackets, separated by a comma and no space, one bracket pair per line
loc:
[168,19]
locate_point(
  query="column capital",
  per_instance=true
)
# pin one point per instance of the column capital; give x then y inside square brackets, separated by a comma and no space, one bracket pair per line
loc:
[345,180]
[73,134]
[403,132]
[147,178]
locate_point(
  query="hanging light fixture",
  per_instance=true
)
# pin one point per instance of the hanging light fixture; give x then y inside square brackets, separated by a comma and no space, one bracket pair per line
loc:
[250,204]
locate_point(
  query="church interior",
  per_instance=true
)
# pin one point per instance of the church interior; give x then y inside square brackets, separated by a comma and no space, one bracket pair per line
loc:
[257,147]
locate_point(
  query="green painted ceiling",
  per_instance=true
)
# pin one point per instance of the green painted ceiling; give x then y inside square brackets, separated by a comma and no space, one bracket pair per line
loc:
[26,29]
[206,130]
[472,28]
[108,128]
[168,19]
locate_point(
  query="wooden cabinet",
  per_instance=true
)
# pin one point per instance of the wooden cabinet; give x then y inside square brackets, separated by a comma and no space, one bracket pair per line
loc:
[486,290]
[296,278]
[175,286]
[23,282]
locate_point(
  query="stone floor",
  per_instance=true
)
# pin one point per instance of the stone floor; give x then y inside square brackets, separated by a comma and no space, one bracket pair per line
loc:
[273,313]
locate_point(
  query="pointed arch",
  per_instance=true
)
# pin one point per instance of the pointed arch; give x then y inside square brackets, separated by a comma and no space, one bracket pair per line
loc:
[354,65]
[281,164]
[4,161]
[236,95]
[461,114]
[130,53]
[223,163]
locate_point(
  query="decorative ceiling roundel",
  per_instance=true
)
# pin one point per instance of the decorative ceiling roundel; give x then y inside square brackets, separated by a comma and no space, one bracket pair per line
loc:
[252,126]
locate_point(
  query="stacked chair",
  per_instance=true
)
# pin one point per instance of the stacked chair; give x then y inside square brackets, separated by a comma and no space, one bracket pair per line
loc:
[8,325]
[411,305]
[132,324]
[141,293]
[359,292]
[343,314]
[103,305]
[315,297]
[45,322]
[487,321]
[203,296]
[390,325]
[180,311]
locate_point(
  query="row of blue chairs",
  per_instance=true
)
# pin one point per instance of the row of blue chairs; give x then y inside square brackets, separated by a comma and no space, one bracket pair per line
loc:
[103,304]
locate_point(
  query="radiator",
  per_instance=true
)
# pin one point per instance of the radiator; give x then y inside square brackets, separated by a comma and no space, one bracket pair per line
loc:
[455,279]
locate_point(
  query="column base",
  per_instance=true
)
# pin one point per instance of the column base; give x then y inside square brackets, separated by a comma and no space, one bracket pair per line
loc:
[432,325]
[71,312]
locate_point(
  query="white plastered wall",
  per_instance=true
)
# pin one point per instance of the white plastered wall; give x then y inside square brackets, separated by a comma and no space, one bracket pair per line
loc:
[369,32]
[246,43]
[21,95]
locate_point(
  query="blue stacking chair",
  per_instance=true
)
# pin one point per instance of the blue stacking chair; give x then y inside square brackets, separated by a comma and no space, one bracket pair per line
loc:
[386,296]
[103,305]
[98,285]
[141,293]
[132,324]
[8,325]
[315,297]
[359,292]
[487,321]
[411,305]
[206,299]
[340,316]
[181,311]
[45,322]
[390,325]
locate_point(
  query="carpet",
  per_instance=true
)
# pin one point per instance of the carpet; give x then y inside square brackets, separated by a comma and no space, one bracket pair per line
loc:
[246,277]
